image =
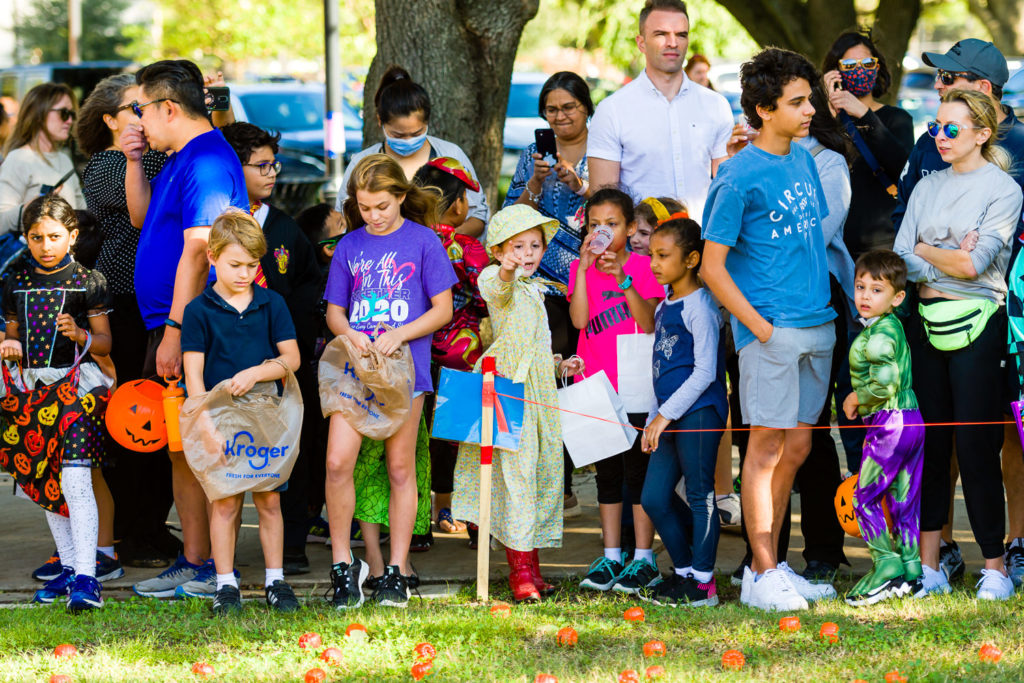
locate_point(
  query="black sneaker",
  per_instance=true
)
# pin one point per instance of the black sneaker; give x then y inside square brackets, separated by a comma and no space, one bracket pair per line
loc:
[295,561]
[637,575]
[820,572]
[226,600]
[393,590]
[685,591]
[601,574]
[347,584]
[951,562]
[281,597]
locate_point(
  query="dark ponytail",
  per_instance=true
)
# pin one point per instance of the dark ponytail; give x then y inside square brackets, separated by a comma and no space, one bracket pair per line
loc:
[399,95]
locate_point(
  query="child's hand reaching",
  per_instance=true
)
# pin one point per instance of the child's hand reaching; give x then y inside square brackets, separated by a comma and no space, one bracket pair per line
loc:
[608,264]
[66,326]
[652,433]
[570,367]
[243,381]
[360,340]
[389,342]
[850,406]
[509,262]
[10,349]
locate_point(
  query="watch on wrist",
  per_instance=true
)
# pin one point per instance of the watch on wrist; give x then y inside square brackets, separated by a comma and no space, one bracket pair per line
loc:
[627,283]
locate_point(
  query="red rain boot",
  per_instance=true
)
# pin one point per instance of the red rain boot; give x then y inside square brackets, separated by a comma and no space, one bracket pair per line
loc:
[543,586]
[520,578]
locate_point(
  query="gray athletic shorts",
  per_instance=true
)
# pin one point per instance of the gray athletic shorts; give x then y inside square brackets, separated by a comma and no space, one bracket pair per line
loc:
[785,380]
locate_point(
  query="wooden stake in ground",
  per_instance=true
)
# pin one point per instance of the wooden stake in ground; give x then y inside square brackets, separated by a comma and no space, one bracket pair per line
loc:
[483,552]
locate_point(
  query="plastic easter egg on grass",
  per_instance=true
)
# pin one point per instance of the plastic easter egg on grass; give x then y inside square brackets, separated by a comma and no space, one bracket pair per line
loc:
[544,678]
[895,677]
[424,652]
[60,678]
[310,641]
[990,653]
[332,656]
[315,676]
[65,650]
[421,670]
[654,648]
[356,631]
[789,624]
[501,610]
[202,669]
[634,614]
[567,637]
[654,672]
[135,416]
[829,632]
[629,676]
[733,660]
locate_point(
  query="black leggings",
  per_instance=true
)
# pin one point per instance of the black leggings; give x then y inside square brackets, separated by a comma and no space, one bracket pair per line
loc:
[629,466]
[963,386]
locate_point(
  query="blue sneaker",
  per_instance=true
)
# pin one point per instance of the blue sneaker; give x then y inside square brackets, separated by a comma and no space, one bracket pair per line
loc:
[85,594]
[108,568]
[203,585]
[164,584]
[55,588]
[50,569]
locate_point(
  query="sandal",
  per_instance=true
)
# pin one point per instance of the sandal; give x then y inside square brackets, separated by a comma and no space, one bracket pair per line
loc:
[448,524]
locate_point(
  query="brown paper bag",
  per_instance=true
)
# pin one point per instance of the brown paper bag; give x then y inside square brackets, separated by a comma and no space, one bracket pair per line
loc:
[372,391]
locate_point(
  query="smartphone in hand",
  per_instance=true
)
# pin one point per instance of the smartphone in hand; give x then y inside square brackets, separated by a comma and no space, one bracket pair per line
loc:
[545,139]
[218,99]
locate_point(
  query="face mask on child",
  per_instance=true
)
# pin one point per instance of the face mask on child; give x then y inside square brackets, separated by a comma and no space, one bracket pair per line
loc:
[858,81]
[405,147]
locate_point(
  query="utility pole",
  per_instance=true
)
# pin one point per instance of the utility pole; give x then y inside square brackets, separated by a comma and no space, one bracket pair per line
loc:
[334,138]
[74,30]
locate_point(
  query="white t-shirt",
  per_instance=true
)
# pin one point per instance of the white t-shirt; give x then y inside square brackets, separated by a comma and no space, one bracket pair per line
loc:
[664,148]
[22,175]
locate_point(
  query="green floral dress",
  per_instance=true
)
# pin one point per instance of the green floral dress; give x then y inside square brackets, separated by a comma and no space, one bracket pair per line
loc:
[373,488]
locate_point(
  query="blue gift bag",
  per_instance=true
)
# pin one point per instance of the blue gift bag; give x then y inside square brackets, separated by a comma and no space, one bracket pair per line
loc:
[457,411]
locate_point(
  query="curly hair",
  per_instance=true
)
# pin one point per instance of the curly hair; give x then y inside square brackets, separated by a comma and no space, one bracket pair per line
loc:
[852,39]
[763,78]
[245,138]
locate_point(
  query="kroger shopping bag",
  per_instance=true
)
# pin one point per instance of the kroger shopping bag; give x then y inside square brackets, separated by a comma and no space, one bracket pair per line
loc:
[372,391]
[242,443]
[636,375]
[458,411]
[594,422]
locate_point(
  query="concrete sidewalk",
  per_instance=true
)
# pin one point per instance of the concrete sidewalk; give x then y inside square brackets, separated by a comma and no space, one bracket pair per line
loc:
[450,561]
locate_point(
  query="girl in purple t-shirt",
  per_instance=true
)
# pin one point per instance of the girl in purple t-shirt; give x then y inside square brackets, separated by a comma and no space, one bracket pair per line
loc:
[612,292]
[390,269]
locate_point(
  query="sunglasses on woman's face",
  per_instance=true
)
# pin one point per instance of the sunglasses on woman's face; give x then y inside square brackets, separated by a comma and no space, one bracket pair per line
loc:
[867,63]
[951,130]
[331,242]
[65,113]
[949,77]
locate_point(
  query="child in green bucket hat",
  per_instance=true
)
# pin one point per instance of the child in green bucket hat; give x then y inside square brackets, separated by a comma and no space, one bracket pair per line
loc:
[526,498]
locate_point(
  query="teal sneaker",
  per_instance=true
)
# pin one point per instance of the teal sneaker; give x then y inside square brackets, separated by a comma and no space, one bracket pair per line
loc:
[637,575]
[602,574]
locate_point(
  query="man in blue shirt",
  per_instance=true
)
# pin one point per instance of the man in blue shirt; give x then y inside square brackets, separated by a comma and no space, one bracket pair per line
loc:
[201,179]
[764,260]
[973,64]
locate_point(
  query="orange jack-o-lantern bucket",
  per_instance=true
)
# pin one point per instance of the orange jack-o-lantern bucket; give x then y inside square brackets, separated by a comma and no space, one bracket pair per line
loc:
[135,416]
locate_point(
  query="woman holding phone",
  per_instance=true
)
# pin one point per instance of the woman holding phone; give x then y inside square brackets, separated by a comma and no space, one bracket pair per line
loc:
[34,161]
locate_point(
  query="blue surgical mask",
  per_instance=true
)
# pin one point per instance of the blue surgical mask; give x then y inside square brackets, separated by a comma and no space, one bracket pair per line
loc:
[405,147]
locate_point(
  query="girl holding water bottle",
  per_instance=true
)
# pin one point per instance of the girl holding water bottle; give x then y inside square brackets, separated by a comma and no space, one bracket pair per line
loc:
[612,292]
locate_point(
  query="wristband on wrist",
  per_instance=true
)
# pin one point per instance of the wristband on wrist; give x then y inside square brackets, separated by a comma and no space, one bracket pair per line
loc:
[584,188]
[627,283]
[172,323]
[530,194]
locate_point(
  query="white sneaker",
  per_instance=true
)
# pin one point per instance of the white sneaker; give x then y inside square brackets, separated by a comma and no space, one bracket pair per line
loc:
[932,581]
[994,585]
[745,584]
[729,510]
[773,591]
[810,591]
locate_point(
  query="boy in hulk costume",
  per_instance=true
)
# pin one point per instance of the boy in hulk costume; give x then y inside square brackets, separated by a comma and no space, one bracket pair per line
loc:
[894,445]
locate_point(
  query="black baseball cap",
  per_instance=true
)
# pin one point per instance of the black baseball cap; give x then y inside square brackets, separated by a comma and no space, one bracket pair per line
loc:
[979,57]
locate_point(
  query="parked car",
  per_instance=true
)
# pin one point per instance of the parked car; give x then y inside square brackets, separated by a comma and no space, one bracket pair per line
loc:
[15,81]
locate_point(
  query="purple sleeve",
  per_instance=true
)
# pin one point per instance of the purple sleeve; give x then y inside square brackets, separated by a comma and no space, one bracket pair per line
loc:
[438,273]
[339,279]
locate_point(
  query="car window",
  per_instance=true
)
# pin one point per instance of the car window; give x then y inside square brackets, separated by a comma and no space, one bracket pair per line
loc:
[288,111]
[522,100]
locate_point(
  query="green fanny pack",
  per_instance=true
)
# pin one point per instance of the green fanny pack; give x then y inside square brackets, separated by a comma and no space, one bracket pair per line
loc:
[954,323]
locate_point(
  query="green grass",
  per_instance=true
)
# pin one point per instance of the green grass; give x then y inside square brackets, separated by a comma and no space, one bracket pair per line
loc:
[936,639]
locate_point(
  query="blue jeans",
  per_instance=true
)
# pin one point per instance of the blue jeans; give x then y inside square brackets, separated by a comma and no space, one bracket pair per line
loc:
[690,534]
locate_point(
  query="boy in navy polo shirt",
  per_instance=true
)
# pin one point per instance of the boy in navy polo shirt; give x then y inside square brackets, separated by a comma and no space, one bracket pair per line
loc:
[230,332]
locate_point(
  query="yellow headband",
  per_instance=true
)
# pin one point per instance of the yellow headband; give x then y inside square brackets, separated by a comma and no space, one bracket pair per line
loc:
[660,212]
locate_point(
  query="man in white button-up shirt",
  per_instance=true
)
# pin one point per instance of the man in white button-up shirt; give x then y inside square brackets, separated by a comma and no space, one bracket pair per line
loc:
[662,134]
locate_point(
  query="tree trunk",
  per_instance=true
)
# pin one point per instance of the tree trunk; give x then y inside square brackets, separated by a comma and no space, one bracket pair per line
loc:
[462,52]
[810,26]
[1004,19]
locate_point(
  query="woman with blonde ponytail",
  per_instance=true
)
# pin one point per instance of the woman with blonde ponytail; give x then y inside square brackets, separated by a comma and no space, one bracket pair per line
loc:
[956,240]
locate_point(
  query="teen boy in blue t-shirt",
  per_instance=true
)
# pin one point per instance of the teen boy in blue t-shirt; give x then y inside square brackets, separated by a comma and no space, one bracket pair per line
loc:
[764,259]
[214,323]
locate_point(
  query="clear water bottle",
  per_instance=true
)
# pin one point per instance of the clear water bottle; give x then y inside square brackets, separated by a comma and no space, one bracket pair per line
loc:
[601,240]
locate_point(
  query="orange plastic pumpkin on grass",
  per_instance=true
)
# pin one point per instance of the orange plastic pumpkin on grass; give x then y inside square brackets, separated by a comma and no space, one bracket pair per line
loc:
[202,669]
[829,632]
[990,653]
[567,637]
[895,677]
[634,614]
[65,650]
[790,624]
[135,416]
[654,648]
[629,676]
[654,672]
[733,659]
